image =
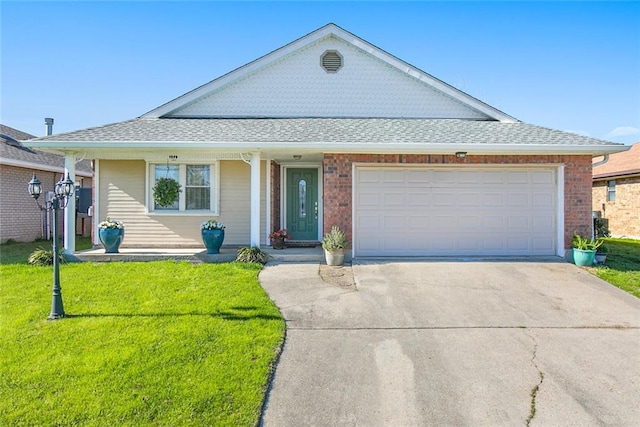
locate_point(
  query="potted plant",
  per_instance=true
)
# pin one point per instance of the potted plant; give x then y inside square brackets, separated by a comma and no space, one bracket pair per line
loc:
[333,244]
[212,232]
[111,235]
[278,237]
[166,192]
[584,250]
[601,254]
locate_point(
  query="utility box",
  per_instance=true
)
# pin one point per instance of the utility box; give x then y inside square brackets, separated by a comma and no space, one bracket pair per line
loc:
[83,200]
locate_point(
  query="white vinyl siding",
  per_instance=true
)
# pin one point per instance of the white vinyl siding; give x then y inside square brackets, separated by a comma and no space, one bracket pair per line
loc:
[122,196]
[422,211]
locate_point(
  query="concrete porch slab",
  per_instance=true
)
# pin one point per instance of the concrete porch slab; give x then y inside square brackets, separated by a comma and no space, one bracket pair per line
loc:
[197,255]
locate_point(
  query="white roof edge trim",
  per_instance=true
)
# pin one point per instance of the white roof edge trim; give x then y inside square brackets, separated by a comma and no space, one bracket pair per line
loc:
[347,37]
[37,166]
[331,147]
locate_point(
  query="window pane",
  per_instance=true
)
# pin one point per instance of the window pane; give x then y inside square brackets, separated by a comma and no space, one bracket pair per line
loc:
[611,191]
[198,175]
[198,188]
[166,171]
[302,198]
[197,198]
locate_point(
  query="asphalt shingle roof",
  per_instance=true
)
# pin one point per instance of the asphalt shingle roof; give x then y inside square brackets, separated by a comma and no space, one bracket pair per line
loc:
[625,163]
[328,130]
[24,154]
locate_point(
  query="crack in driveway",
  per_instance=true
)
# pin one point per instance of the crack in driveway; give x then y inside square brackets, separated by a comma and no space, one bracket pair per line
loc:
[536,388]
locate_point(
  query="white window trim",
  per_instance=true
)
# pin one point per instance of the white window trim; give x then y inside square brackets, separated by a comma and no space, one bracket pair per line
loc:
[214,209]
[611,190]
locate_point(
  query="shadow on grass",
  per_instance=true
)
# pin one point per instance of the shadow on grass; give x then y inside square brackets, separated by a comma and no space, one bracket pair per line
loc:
[223,315]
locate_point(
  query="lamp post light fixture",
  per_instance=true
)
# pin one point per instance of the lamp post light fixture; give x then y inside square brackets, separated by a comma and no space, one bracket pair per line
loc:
[62,193]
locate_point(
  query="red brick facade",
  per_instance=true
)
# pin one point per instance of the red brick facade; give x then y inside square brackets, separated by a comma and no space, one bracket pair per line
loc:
[20,218]
[275,196]
[338,184]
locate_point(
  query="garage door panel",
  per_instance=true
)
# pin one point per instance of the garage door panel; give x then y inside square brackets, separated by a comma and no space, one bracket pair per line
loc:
[419,199]
[368,176]
[409,211]
[392,200]
[469,199]
[391,176]
[518,243]
[442,198]
[543,177]
[493,199]
[368,199]
[544,199]
[518,177]
[518,200]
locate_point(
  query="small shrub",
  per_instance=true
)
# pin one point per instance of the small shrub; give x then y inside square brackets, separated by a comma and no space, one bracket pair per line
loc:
[254,254]
[335,239]
[42,257]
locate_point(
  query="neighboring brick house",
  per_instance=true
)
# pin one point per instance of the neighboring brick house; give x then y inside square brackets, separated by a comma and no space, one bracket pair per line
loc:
[616,192]
[332,130]
[20,219]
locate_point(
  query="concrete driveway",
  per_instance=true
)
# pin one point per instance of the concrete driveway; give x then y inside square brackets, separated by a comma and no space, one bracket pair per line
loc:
[454,343]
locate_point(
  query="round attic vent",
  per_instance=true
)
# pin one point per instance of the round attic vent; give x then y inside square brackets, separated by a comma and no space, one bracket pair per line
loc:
[331,61]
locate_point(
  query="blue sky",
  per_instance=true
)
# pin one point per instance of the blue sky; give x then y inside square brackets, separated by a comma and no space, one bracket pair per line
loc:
[572,66]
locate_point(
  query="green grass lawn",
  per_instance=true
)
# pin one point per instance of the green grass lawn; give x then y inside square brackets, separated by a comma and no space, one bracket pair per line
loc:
[18,252]
[622,267]
[160,343]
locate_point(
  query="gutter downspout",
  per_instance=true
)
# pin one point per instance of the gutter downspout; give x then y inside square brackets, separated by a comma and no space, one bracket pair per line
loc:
[605,159]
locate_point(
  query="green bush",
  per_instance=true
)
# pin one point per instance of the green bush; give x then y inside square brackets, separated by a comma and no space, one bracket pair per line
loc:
[335,239]
[43,257]
[254,254]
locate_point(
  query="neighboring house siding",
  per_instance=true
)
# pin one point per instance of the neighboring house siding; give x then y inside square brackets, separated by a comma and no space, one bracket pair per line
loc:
[623,213]
[298,86]
[122,191]
[338,184]
[20,218]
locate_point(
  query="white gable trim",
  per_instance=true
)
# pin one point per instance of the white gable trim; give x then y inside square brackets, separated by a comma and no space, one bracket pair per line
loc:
[326,31]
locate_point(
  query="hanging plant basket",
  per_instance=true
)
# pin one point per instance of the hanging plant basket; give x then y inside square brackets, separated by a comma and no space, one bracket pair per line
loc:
[166,191]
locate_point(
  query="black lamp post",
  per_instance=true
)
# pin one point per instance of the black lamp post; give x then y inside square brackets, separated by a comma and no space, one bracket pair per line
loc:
[62,194]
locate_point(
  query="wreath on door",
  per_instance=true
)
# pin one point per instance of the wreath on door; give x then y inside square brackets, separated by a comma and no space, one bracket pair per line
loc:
[166,192]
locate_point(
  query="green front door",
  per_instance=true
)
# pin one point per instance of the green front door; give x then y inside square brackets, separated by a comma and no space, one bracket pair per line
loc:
[302,204]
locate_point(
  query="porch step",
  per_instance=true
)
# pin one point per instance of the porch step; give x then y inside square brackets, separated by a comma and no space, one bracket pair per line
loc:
[303,243]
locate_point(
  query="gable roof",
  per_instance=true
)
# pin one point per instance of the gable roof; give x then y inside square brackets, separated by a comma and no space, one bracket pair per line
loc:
[620,164]
[330,30]
[13,154]
[485,130]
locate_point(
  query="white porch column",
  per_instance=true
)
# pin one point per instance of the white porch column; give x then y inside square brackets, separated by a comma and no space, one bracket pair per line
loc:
[70,210]
[255,199]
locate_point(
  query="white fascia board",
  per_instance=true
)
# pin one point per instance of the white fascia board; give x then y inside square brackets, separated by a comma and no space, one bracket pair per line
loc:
[39,166]
[347,37]
[332,147]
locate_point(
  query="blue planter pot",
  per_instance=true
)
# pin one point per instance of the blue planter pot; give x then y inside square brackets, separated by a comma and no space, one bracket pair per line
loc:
[213,240]
[111,239]
[583,258]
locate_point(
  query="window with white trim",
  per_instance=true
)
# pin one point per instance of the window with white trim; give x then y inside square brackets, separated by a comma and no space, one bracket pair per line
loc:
[199,185]
[611,191]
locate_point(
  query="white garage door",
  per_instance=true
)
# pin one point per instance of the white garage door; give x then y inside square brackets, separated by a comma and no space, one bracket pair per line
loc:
[417,211]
